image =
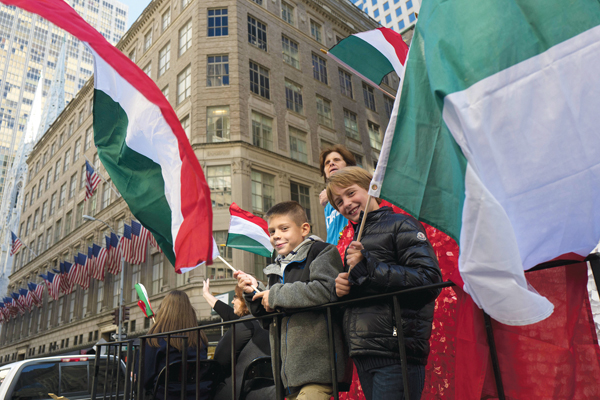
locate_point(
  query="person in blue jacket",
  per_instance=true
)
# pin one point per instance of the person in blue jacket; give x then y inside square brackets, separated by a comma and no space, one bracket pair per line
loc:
[332,160]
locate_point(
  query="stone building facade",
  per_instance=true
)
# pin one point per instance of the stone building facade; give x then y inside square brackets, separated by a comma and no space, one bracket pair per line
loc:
[259,101]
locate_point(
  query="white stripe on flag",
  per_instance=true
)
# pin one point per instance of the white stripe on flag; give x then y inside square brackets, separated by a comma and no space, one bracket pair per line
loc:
[241,226]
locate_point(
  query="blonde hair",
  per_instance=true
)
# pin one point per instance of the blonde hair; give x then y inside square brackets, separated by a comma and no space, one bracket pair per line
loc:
[347,177]
[176,312]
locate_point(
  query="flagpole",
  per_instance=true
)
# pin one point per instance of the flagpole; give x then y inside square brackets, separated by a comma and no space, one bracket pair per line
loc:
[235,270]
[101,177]
[32,252]
[364,78]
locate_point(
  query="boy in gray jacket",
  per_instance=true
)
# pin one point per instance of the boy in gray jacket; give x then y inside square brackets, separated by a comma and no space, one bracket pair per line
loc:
[303,275]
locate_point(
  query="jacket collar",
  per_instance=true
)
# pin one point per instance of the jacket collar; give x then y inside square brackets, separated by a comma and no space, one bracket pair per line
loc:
[298,254]
[373,217]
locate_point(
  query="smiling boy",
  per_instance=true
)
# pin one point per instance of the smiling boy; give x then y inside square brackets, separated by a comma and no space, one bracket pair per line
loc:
[303,275]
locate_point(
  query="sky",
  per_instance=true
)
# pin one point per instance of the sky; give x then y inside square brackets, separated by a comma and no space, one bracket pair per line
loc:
[135,9]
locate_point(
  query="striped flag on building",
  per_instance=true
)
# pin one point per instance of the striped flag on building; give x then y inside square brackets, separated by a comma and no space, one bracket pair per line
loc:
[91,180]
[66,286]
[37,293]
[4,315]
[25,299]
[83,274]
[10,306]
[139,242]
[125,243]
[100,255]
[16,243]
[18,302]
[53,284]
[114,255]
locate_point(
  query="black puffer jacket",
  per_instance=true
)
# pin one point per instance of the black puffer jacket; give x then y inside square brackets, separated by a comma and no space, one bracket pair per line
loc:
[397,256]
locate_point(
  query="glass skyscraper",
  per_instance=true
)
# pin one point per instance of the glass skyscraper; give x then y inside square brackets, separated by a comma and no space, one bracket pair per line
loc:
[29,47]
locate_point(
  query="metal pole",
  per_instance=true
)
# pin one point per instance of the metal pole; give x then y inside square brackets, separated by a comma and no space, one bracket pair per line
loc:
[495,363]
[332,355]
[121,299]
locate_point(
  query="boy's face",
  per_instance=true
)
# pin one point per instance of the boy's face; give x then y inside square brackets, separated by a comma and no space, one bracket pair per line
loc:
[286,234]
[351,201]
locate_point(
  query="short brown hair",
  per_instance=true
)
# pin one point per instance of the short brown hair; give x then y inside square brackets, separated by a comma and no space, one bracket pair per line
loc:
[291,209]
[347,177]
[348,157]
[175,313]
[239,293]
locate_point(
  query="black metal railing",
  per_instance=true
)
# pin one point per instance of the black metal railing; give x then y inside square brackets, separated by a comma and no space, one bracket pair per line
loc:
[125,380]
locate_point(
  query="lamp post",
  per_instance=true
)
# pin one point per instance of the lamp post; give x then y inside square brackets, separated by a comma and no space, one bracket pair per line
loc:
[122,277]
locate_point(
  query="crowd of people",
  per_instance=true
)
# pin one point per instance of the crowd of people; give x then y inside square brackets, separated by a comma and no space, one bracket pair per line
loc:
[393,253]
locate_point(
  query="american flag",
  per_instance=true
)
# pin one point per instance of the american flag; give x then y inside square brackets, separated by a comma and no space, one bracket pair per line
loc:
[3,313]
[26,297]
[83,276]
[125,243]
[66,284]
[18,302]
[16,243]
[10,306]
[100,255]
[90,263]
[53,283]
[37,293]
[114,257]
[153,242]
[139,243]
[91,180]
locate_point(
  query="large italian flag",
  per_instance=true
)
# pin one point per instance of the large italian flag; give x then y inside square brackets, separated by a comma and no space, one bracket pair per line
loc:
[142,145]
[496,137]
[248,232]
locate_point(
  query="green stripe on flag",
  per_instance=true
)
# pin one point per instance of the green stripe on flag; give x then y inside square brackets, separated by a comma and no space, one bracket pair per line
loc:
[243,242]
[138,179]
[377,66]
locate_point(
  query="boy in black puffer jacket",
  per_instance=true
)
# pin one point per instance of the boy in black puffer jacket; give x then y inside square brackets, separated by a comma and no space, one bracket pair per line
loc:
[394,254]
[303,275]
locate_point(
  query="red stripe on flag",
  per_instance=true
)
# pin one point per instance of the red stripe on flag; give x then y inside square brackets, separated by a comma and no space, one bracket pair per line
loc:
[395,39]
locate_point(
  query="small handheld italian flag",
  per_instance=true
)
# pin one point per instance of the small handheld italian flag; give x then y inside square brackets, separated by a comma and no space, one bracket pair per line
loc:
[144,302]
[248,232]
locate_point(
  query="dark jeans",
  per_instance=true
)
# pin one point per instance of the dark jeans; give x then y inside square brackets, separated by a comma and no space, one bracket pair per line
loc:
[386,382]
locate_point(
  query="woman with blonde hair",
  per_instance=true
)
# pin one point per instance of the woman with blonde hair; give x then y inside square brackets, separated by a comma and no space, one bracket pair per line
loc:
[175,313]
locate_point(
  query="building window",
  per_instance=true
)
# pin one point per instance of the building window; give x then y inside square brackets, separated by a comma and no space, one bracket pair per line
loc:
[185,124]
[301,194]
[67,160]
[400,24]
[135,278]
[217,124]
[257,33]
[56,175]
[77,150]
[217,72]
[185,37]
[57,230]
[63,195]
[79,215]
[411,17]
[84,309]
[53,203]
[290,52]
[89,133]
[221,238]
[346,83]
[164,59]
[132,55]
[105,195]
[219,181]
[324,112]
[359,160]
[72,185]
[369,96]
[351,125]
[259,80]
[44,211]
[157,273]
[61,303]
[99,300]
[374,136]
[262,131]
[148,40]
[298,145]
[166,19]
[315,31]
[93,204]
[293,97]
[165,92]
[184,3]
[68,222]
[36,218]
[263,191]
[48,182]
[148,69]
[319,68]
[83,176]
[116,291]
[218,22]
[287,13]
[32,195]
[184,84]
[388,104]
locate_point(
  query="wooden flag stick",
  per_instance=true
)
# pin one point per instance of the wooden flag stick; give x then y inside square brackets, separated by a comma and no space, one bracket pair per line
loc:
[362,223]
[235,270]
